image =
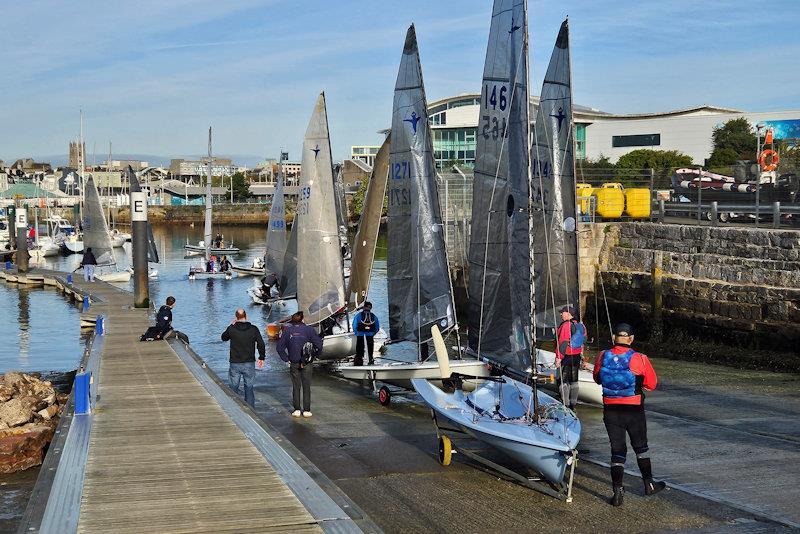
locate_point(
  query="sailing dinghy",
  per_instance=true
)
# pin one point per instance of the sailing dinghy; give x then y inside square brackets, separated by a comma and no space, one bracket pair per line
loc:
[202,271]
[96,236]
[555,234]
[508,412]
[420,293]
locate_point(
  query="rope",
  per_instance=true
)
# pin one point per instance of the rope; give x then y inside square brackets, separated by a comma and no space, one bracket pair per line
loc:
[605,301]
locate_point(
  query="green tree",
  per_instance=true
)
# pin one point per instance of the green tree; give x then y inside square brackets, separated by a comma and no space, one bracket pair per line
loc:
[358,198]
[241,189]
[737,135]
[662,162]
[722,158]
[595,171]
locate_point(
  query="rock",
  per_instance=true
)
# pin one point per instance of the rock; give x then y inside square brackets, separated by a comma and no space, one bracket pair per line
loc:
[16,412]
[48,412]
[14,380]
[5,393]
[22,450]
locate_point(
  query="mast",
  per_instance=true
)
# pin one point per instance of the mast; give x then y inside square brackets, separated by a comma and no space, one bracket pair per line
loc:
[555,239]
[417,269]
[499,253]
[207,228]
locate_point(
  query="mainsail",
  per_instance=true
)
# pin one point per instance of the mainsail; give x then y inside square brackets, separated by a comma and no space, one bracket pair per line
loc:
[95,229]
[341,206]
[207,227]
[320,281]
[555,243]
[368,226]
[289,273]
[499,258]
[276,231]
[419,281]
[152,251]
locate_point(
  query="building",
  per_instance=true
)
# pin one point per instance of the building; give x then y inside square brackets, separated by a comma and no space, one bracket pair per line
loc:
[28,167]
[122,164]
[365,153]
[686,130]
[75,154]
[454,123]
[269,169]
[354,171]
[185,170]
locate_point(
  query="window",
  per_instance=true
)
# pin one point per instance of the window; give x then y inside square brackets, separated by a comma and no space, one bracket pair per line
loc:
[580,141]
[636,140]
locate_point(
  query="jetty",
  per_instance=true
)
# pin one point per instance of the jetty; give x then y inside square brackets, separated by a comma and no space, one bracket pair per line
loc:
[164,447]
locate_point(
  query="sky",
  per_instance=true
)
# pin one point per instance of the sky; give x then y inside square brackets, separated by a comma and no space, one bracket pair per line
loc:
[152,75]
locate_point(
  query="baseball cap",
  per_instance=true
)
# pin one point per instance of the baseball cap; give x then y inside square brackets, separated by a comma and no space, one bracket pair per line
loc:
[623,329]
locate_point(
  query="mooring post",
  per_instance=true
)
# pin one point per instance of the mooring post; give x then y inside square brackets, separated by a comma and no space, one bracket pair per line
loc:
[141,288]
[661,210]
[656,333]
[776,215]
[21,224]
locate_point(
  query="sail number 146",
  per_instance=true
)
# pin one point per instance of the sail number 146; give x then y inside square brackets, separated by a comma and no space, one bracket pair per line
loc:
[495,98]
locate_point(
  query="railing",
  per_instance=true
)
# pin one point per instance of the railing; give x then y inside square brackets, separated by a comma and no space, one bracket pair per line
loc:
[717,213]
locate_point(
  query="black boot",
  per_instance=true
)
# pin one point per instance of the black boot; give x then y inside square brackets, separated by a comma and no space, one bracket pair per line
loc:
[651,487]
[617,475]
[619,496]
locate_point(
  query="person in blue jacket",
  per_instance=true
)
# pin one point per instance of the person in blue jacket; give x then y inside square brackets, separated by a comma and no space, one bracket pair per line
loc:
[291,346]
[365,325]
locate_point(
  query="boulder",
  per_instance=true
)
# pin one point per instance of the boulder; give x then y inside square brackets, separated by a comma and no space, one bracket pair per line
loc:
[5,392]
[49,412]
[20,451]
[16,412]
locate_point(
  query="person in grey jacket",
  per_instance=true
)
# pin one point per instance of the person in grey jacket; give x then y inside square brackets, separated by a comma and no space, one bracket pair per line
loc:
[290,348]
[245,338]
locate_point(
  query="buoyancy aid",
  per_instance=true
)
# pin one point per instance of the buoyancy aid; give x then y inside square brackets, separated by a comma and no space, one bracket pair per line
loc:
[366,322]
[616,377]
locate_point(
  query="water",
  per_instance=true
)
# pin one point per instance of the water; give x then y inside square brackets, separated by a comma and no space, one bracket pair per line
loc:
[205,308]
[40,330]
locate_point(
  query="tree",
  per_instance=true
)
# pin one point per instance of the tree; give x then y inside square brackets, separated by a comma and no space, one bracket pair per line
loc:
[662,162]
[722,158]
[737,135]
[360,195]
[594,171]
[241,189]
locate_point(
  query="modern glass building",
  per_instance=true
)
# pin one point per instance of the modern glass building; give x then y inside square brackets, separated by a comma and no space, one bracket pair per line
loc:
[454,122]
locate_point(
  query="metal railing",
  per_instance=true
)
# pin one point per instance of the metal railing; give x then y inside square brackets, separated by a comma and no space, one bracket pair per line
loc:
[716,213]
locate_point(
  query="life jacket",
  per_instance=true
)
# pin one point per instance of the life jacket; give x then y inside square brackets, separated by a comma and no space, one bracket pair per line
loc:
[366,322]
[616,376]
[574,339]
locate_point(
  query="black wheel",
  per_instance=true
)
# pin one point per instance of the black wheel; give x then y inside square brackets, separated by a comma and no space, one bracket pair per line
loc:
[384,396]
[723,217]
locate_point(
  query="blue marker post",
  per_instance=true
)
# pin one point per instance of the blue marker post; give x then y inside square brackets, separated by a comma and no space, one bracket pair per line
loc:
[82,385]
[8,266]
[100,327]
[86,303]
[69,278]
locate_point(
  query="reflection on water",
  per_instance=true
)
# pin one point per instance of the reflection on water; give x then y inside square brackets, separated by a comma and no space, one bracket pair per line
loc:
[43,334]
[204,308]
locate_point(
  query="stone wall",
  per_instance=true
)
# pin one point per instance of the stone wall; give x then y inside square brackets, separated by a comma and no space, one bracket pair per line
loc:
[223,214]
[732,287]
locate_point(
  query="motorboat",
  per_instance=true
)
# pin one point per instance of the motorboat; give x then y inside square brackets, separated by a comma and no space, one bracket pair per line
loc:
[255,269]
[200,248]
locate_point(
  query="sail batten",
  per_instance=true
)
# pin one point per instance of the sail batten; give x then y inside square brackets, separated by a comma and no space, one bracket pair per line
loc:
[368,227]
[320,280]
[499,253]
[420,294]
[276,231]
[95,228]
[553,201]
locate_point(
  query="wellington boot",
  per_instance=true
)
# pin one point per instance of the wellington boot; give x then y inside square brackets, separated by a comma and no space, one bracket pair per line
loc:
[651,487]
[619,496]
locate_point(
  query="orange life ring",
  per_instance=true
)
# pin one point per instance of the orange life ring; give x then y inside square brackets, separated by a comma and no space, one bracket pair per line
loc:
[763,160]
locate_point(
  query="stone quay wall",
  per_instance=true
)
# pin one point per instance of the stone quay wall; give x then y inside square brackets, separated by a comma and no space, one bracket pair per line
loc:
[244,214]
[734,289]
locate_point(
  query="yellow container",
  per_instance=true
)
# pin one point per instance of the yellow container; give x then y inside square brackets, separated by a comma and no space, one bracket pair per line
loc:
[583,190]
[637,203]
[610,201]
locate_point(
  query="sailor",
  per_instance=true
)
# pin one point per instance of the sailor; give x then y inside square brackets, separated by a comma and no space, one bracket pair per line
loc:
[267,283]
[224,264]
[365,325]
[217,241]
[212,264]
[569,349]
[625,375]
[293,346]
[89,262]
[164,317]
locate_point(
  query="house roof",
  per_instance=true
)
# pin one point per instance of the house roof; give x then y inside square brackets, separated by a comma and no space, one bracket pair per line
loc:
[28,190]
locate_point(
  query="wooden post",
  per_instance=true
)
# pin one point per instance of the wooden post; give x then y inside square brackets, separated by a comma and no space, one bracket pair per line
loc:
[141,282]
[657,331]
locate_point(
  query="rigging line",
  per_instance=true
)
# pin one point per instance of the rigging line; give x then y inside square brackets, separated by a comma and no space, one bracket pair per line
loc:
[491,202]
[564,231]
[605,301]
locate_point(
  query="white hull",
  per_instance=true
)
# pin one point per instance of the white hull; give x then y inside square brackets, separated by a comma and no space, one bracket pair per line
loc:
[152,273]
[400,373]
[45,250]
[255,296]
[249,271]
[202,275]
[201,249]
[73,247]
[588,390]
[340,346]
[114,276]
[117,241]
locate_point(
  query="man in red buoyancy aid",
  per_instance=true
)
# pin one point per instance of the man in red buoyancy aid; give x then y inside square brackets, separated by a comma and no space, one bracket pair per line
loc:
[570,336]
[625,375]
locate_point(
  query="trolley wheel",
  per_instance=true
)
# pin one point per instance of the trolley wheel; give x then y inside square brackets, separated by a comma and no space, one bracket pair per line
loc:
[384,396]
[445,450]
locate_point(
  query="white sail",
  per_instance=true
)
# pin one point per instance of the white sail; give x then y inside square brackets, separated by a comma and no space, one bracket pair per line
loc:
[320,280]
[95,229]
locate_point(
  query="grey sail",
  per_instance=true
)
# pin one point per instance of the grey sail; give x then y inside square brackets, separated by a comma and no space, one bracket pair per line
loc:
[499,258]
[95,229]
[207,227]
[289,272]
[418,278]
[152,251]
[555,243]
[341,207]
[320,281]
[368,226]
[276,231]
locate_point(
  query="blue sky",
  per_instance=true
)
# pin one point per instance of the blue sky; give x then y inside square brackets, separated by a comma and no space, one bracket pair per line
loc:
[151,75]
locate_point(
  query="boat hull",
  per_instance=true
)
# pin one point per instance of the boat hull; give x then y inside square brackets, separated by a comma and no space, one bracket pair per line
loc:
[255,296]
[197,249]
[400,373]
[114,277]
[340,346]
[588,390]
[203,275]
[72,247]
[249,271]
[546,448]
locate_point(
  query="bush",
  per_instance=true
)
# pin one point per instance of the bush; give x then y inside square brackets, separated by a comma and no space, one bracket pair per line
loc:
[736,135]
